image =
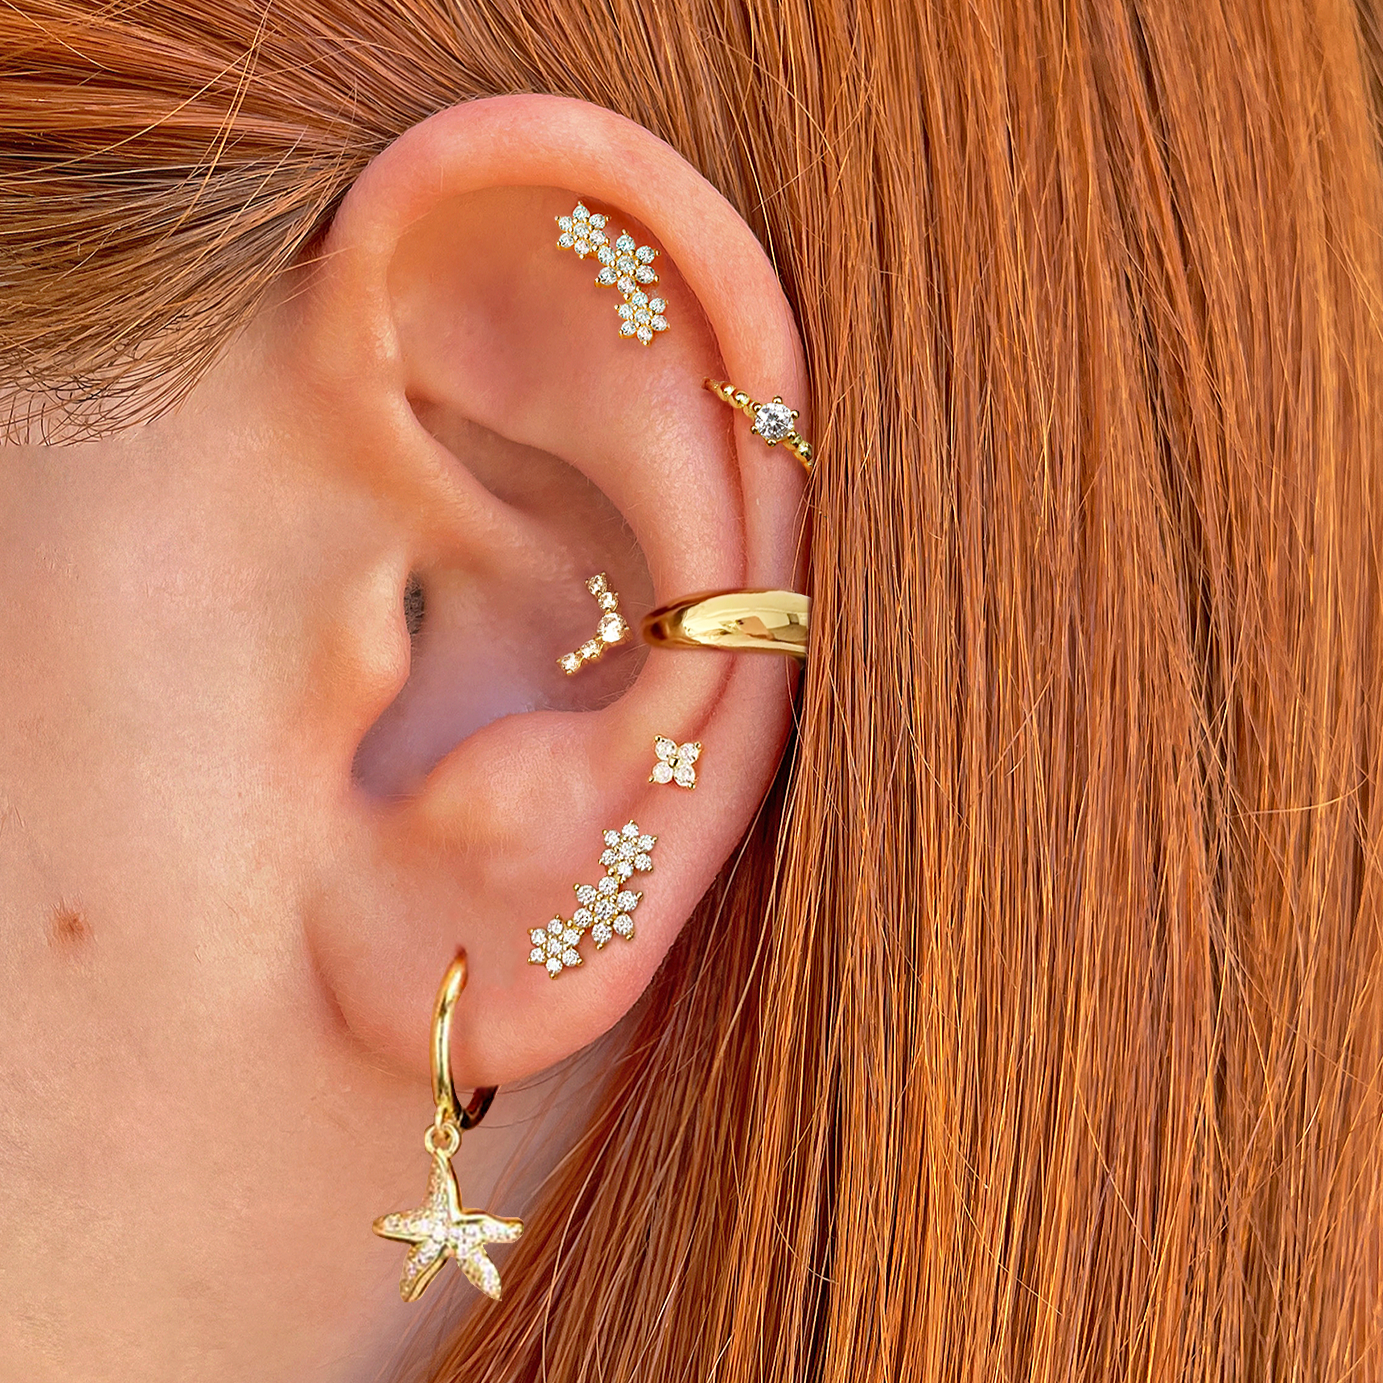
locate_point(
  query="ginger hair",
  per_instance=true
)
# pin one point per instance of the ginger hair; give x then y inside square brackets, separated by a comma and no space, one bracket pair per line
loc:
[1036,1031]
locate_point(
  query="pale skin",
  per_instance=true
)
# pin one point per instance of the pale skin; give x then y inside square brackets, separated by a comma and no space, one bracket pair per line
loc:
[246,821]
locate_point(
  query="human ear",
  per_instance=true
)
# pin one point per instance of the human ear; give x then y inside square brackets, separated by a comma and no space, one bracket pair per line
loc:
[460,385]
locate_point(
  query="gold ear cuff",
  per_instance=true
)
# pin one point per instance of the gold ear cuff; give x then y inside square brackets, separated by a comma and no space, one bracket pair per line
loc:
[772,421]
[740,621]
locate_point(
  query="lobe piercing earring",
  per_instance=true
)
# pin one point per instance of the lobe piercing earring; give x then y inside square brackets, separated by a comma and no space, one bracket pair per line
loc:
[626,266]
[675,762]
[612,629]
[604,909]
[441,1228]
[772,421]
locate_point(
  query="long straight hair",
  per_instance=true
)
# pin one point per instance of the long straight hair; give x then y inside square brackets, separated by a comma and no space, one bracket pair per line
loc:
[1036,1031]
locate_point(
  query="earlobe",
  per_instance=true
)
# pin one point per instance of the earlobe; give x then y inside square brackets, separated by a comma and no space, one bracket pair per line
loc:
[473,376]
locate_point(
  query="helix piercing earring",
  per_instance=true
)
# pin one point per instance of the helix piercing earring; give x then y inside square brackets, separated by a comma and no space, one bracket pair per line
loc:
[625,265]
[612,629]
[675,762]
[441,1228]
[604,909]
[772,421]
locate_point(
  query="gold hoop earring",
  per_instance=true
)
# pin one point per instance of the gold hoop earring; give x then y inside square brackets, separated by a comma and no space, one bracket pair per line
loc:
[773,422]
[441,1227]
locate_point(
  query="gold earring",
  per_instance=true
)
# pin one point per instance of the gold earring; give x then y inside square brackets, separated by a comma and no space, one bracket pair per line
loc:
[772,421]
[611,630]
[676,762]
[625,265]
[740,621]
[604,909]
[441,1227]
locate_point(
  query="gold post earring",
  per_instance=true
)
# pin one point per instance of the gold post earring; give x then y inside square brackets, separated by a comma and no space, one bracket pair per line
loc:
[612,629]
[441,1227]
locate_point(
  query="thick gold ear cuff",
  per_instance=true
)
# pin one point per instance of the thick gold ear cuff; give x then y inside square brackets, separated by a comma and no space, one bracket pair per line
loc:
[442,1227]
[772,421]
[742,621]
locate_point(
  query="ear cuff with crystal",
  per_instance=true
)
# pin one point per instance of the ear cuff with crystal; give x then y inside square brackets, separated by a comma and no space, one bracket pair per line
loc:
[624,265]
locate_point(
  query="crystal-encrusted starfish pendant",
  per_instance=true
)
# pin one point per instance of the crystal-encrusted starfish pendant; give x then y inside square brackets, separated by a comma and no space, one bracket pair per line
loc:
[440,1229]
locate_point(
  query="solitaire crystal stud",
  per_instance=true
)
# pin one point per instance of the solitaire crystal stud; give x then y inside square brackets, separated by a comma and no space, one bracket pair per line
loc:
[675,762]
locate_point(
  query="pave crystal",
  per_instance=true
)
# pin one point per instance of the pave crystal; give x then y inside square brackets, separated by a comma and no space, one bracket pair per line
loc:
[773,421]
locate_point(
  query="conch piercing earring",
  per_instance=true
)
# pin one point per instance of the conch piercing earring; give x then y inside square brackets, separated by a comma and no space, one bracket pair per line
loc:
[675,762]
[625,265]
[611,630]
[772,421]
[604,909]
[740,621]
[441,1228]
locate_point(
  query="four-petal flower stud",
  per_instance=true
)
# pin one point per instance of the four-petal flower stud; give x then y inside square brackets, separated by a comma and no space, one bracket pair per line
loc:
[675,762]
[442,1229]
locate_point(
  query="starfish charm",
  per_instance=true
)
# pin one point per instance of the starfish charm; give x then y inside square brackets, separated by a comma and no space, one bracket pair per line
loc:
[442,1229]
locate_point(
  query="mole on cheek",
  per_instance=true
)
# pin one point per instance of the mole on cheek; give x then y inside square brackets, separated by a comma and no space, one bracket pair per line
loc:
[69,930]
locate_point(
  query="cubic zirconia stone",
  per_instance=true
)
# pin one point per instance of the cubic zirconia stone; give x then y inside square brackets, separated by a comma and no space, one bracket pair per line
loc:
[773,421]
[601,933]
[647,253]
[624,925]
[685,775]
[643,863]
[662,773]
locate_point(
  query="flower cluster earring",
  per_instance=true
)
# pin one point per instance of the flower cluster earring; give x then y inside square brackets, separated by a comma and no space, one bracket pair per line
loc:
[604,909]
[624,265]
